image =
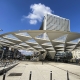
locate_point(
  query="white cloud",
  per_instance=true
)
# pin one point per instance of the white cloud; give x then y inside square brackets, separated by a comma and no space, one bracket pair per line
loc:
[37,13]
[33,21]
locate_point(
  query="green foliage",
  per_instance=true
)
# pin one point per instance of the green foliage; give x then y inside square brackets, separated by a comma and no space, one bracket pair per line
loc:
[67,55]
[28,57]
[47,57]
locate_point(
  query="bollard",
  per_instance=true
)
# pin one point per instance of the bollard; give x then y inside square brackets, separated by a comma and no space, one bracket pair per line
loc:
[68,75]
[30,75]
[50,75]
[4,74]
[42,62]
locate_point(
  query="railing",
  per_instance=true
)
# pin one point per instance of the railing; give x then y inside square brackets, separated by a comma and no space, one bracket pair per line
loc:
[6,66]
[6,63]
[4,75]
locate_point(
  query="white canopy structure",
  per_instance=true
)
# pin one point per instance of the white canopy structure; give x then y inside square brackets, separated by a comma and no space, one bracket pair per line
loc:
[42,40]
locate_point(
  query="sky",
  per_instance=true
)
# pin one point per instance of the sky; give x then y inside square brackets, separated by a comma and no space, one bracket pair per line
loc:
[24,52]
[27,14]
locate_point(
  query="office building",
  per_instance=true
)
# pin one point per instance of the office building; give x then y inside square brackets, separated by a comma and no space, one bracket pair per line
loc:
[54,22]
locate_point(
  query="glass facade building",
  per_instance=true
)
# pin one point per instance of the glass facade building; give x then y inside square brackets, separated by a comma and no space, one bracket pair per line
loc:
[54,22]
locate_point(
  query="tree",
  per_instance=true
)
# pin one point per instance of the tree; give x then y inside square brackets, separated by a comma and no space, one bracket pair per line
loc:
[67,56]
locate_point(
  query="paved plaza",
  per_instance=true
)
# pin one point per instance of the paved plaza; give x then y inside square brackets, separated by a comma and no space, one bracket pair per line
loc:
[42,72]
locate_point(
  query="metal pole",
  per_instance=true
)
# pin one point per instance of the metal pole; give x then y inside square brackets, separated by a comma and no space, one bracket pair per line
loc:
[30,75]
[50,75]
[42,62]
[42,59]
[2,55]
[68,75]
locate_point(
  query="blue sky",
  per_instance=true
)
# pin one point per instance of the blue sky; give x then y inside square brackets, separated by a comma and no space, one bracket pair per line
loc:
[14,14]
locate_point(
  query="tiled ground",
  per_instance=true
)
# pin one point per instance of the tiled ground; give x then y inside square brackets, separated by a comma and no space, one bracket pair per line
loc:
[42,72]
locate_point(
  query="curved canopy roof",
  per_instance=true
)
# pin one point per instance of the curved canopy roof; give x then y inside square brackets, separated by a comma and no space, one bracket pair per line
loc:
[41,40]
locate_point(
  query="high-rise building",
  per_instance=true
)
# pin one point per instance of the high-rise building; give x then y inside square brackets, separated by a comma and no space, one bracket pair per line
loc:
[54,22]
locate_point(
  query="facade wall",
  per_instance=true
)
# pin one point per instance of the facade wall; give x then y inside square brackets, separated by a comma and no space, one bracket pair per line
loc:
[76,54]
[54,22]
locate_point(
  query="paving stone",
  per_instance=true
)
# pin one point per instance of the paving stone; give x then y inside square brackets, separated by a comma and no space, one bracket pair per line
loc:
[42,72]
